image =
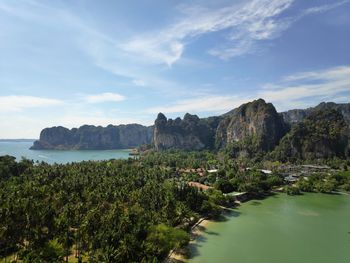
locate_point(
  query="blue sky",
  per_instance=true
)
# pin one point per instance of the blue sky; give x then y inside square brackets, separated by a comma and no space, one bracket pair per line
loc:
[99,62]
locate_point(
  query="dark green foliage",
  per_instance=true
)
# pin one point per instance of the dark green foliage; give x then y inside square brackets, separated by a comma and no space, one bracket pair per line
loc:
[224,186]
[51,251]
[291,190]
[181,159]
[255,182]
[111,211]
[9,167]
[325,183]
[321,135]
[162,238]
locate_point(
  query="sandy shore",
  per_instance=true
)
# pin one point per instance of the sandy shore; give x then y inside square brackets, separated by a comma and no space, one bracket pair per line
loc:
[196,230]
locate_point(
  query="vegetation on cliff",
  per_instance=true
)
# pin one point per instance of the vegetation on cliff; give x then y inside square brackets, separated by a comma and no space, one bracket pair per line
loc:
[321,135]
[297,115]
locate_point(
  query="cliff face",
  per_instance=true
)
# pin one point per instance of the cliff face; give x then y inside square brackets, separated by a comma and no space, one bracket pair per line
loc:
[89,137]
[257,122]
[295,116]
[256,127]
[322,134]
[191,133]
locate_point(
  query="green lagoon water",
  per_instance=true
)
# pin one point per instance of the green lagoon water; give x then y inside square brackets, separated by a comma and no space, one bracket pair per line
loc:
[21,149]
[312,228]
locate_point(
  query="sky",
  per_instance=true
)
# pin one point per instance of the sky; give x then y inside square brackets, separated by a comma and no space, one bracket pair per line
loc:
[106,62]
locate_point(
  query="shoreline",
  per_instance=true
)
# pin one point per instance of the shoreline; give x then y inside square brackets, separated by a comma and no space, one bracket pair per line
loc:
[196,230]
[200,226]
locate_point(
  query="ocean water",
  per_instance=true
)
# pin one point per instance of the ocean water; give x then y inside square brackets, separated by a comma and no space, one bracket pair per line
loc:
[312,228]
[19,149]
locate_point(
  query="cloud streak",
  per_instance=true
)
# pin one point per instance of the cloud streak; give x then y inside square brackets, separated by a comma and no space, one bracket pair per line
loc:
[19,103]
[104,97]
[246,24]
[293,91]
[323,84]
[200,104]
[138,58]
[255,18]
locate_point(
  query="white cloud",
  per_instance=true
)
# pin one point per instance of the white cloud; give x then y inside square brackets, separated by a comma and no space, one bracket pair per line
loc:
[19,103]
[324,8]
[300,90]
[138,58]
[319,85]
[218,104]
[104,97]
[331,74]
[79,120]
[246,23]
[139,82]
[249,21]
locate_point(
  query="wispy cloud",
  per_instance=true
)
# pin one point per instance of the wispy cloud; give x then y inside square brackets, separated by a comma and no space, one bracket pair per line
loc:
[330,74]
[104,97]
[79,120]
[214,103]
[139,82]
[140,58]
[255,18]
[244,24]
[19,103]
[299,90]
[324,8]
[293,90]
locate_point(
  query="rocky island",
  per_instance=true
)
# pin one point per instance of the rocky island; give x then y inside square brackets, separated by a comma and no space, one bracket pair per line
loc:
[89,137]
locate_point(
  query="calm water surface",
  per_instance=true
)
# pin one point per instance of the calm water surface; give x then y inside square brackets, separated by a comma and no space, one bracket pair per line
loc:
[20,149]
[290,229]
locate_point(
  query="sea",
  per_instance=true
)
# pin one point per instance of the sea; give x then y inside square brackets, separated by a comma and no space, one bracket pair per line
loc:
[21,149]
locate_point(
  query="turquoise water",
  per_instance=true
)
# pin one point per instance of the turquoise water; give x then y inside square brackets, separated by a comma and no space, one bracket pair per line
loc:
[290,229]
[21,149]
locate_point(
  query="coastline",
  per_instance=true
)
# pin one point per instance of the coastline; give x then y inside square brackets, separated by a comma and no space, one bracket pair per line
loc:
[311,206]
[199,228]
[181,256]
[196,230]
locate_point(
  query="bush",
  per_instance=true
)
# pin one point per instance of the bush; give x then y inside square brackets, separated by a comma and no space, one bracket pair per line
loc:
[291,190]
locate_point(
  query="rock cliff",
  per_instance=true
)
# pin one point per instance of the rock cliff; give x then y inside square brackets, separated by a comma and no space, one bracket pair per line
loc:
[89,137]
[297,115]
[189,133]
[256,122]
